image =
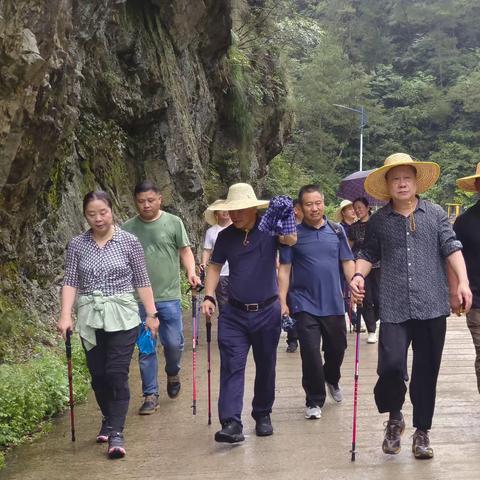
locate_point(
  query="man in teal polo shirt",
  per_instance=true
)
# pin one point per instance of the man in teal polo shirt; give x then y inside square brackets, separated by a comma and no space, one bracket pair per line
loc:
[316,297]
[165,243]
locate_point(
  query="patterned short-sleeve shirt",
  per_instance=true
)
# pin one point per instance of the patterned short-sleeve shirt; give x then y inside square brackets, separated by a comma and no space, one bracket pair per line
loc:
[117,267]
[413,283]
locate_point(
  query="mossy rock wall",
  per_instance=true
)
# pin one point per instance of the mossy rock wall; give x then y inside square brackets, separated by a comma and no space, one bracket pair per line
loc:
[102,94]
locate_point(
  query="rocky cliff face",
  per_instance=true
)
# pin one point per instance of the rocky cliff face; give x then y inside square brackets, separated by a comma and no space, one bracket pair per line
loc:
[103,93]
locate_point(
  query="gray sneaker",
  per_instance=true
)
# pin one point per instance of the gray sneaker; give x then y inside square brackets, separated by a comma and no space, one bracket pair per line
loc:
[313,413]
[335,391]
[149,406]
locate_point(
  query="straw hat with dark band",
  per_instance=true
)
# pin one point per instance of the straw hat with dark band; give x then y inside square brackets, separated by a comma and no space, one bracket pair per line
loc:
[338,213]
[240,196]
[468,183]
[376,182]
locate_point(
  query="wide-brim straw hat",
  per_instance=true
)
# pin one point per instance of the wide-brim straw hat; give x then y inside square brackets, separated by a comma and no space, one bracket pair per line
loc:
[338,213]
[209,215]
[376,182]
[240,196]
[468,183]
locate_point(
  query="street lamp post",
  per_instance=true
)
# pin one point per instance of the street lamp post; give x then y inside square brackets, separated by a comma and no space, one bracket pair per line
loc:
[363,122]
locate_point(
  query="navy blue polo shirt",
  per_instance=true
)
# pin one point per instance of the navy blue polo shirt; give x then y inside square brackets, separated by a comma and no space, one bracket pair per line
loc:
[253,275]
[316,281]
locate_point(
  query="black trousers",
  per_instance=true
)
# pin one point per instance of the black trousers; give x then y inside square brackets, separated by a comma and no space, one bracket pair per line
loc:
[370,308]
[109,364]
[292,335]
[427,338]
[311,330]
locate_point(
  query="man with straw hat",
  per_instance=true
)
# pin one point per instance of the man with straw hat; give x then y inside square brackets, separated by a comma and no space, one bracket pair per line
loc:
[414,240]
[219,220]
[467,228]
[251,317]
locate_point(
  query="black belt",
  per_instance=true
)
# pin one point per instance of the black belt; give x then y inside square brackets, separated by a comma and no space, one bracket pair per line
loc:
[252,307]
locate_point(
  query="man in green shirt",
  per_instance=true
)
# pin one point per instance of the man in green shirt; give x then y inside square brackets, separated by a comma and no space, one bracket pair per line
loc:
[165,243]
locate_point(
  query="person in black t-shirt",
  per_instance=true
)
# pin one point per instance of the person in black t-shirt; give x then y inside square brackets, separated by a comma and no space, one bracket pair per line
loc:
[467,228]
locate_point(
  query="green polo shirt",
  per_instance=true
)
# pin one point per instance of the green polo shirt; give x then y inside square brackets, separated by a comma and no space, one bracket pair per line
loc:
[161,240]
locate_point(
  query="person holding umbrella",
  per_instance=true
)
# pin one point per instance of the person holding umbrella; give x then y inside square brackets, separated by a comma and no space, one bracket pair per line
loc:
[251,318]
[103,267]
[467,228]
[414,240]
[356,238]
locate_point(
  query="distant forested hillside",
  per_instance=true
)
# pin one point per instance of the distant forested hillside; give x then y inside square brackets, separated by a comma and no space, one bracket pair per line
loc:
[413,65]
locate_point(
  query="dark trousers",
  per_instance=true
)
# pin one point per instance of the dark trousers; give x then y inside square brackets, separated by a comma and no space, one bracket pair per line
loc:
[370,310]
[109,363]
[332,331]
[292,335]
[237,331]
[427,338]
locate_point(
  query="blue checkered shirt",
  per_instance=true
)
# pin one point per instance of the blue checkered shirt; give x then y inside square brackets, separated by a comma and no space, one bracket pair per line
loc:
[279,219]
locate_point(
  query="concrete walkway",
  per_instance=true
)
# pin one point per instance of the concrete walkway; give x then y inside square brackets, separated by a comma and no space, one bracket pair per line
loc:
[173,444]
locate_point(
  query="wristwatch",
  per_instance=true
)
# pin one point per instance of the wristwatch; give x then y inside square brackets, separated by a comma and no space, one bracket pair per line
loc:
[152,315]
[358,274]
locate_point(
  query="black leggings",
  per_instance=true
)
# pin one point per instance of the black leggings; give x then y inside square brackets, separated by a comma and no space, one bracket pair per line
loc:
[109,363]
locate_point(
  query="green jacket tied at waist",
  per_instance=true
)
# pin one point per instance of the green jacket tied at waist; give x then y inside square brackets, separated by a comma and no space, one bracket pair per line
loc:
[110,313]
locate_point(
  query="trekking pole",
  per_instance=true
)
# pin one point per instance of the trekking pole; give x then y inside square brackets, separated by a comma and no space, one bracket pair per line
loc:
[68,349]
[194,351]
[200,299]
[350,312]
[355,388]
[209,341]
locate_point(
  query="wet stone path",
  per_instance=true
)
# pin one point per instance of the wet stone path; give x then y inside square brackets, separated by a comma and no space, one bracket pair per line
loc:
[173,444]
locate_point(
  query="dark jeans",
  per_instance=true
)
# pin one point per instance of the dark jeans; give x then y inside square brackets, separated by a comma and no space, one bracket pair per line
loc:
[221,293]
[427,338]
[109,363]
[333,333]
[370,308]
[237,331]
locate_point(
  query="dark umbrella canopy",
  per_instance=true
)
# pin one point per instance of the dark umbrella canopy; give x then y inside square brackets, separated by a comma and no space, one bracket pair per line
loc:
[352,187]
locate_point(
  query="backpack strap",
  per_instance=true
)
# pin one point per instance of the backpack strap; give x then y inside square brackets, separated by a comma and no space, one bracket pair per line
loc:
[337,228]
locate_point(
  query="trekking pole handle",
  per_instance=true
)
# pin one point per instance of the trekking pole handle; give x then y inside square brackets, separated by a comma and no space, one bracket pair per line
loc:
[68,344]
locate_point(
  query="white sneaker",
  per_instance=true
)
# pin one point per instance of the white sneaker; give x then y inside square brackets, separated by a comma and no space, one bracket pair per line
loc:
[335,392]
[372,337]
[313,413]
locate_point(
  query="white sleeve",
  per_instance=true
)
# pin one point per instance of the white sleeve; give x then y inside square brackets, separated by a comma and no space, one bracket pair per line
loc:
[209,241]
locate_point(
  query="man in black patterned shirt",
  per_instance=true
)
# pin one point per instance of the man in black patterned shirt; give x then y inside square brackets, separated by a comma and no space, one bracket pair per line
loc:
[413,239]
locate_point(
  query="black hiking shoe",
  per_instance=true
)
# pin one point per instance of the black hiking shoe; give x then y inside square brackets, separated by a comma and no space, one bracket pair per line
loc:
[263,427]
[102,436]
[231,432]
[421,445]
[116,445]
[149,406]
[393,431]
[173,386]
